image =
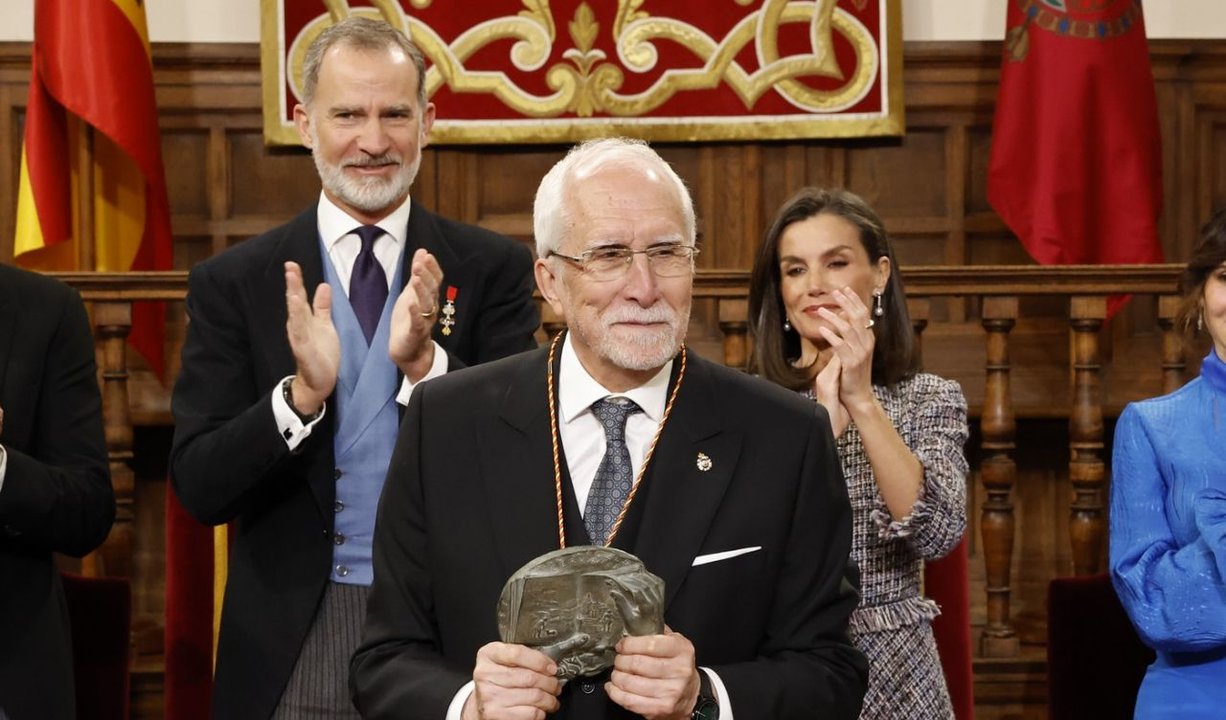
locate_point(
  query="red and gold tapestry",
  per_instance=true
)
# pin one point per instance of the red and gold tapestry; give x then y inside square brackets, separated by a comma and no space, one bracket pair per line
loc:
[547,71]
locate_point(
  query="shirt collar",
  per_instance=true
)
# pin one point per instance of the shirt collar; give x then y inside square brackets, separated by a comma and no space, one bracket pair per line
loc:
[577,389]
[334,223]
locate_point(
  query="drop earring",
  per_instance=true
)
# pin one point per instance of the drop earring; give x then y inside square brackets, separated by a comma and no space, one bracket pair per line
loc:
[1200,321]
[878,305]
[787,325]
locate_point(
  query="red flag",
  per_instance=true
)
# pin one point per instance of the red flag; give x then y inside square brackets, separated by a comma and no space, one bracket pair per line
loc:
[1076,165]
[191,606]
[91,64]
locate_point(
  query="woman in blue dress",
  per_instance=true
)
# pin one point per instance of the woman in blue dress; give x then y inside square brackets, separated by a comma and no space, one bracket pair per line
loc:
[1168,512]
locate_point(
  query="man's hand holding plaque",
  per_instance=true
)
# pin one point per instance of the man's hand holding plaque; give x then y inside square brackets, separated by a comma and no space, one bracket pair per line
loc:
[512,681]
[577,612]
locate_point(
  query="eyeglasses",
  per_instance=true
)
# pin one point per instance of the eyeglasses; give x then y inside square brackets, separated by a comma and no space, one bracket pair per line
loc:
[611,262]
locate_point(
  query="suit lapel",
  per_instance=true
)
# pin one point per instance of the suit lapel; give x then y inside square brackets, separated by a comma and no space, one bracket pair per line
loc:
[299,243]
[683,498]
[517,467]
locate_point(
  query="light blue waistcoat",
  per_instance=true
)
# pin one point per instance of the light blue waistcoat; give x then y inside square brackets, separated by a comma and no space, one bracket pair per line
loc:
[367,419]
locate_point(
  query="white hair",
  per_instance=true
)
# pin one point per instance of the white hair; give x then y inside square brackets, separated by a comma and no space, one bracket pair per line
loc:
[550,211]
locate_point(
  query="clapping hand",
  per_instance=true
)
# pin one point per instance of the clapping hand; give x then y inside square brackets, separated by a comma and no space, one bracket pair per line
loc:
[413,317]
[852,341]
[826,388]
[313,340]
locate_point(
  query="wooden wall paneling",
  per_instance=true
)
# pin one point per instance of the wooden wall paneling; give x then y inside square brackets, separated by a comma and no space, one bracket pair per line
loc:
[509,180]
[1171,95]
[712,174]
[957,178]
[752,214]
[188,192]
[266,188]
[474,168]
[219,189]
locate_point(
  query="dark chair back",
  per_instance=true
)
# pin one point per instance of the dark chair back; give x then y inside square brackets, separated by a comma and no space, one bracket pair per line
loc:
[1095,661]
[100,612]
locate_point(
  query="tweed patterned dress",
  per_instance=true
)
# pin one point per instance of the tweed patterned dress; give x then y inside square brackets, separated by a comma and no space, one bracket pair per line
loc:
[893,625]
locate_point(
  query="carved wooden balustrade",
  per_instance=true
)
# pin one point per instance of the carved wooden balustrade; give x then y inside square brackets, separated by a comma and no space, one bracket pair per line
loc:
[988,295]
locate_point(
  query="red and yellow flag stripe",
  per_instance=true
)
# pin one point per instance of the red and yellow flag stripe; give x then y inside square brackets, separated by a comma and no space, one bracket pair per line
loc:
[92,68]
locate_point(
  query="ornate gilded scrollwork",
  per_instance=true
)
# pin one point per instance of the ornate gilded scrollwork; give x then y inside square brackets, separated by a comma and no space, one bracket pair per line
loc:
[604,68]
[587,84]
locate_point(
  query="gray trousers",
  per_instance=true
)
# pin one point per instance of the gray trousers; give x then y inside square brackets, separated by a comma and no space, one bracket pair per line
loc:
[318,687]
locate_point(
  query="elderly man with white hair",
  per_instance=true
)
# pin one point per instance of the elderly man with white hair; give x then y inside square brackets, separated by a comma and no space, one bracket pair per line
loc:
[726,487]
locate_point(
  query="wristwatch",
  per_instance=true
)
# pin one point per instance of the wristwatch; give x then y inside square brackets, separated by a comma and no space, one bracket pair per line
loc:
[707,707]
[288,394]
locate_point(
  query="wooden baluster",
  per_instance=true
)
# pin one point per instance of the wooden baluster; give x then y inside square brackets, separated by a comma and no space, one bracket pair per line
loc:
[1086,470]
[1174,364]
[733,314]
[112,323]
[998,473]
[918,308]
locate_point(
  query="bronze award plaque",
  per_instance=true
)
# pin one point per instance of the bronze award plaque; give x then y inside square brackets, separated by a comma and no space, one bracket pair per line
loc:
[574,605]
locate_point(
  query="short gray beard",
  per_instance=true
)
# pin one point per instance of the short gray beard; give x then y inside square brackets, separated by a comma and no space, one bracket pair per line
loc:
[642,350]
[370,195]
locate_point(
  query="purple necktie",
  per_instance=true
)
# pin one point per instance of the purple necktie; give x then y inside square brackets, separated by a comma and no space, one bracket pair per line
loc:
[368,283]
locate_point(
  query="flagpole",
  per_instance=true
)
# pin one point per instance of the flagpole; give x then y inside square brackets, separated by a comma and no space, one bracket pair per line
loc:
[86,252]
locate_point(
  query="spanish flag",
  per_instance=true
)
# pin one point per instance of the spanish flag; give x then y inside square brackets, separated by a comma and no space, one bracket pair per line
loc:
[91,84]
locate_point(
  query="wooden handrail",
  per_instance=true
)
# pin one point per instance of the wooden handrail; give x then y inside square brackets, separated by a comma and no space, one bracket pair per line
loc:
[921,281]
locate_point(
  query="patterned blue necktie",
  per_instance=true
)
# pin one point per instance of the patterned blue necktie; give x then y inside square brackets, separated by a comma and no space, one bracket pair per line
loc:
[613,478]
[368,283]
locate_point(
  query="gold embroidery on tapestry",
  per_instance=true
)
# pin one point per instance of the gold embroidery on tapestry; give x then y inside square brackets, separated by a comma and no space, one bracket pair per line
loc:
[586,84]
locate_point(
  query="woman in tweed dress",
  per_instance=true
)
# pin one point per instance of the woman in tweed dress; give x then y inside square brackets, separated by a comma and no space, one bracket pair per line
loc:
[829,319]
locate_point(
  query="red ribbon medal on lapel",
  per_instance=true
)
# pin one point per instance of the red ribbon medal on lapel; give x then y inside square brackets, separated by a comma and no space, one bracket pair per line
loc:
[449,309]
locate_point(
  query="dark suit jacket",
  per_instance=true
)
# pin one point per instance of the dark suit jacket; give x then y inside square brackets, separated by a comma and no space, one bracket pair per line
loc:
[470,498]
[228,461]
[57,493]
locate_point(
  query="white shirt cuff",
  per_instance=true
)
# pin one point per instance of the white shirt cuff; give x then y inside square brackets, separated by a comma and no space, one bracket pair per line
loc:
[4,465]
[437,369]
[456,708]
[721,694]
[288,423]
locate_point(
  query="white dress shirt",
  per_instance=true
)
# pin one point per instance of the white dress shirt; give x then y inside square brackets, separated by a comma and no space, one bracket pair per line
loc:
[343,245]
[583,440]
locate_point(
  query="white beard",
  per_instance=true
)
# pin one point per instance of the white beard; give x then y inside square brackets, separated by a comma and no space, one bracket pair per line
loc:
[638,348]
[371,194]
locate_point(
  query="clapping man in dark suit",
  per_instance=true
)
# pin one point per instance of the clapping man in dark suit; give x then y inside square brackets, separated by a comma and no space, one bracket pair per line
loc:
[55,487]
[725,486]
[302,343]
